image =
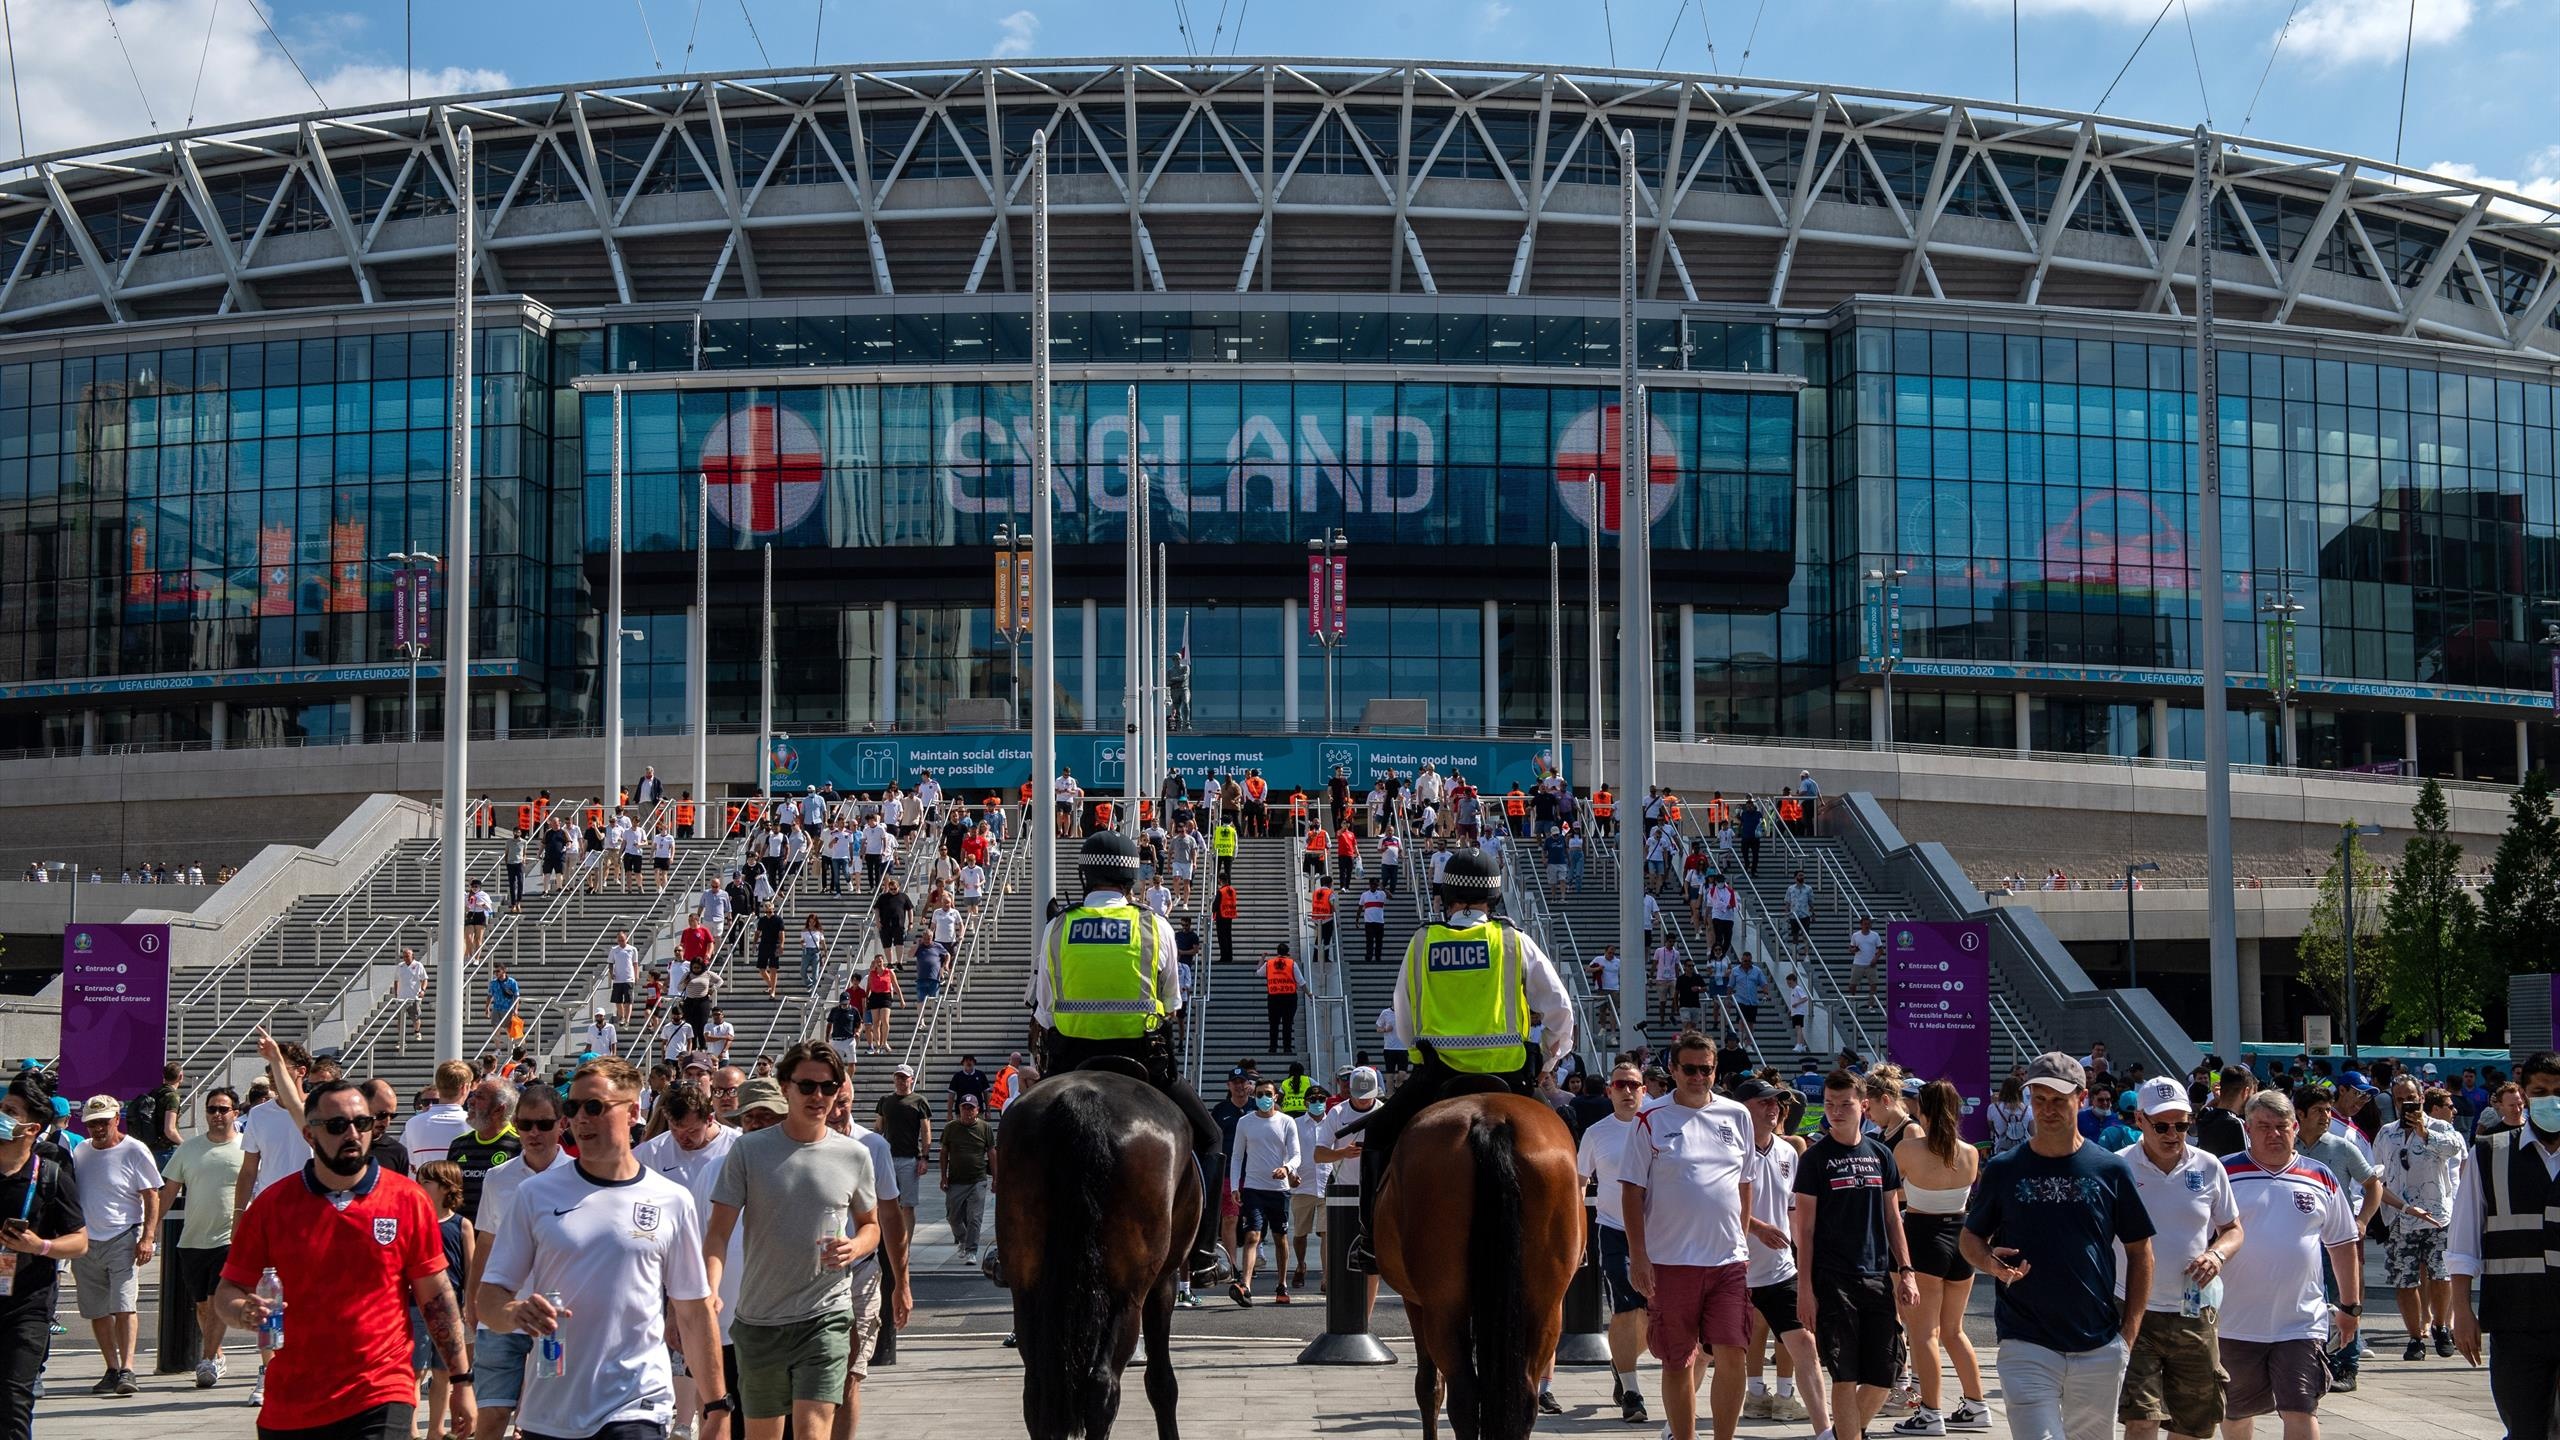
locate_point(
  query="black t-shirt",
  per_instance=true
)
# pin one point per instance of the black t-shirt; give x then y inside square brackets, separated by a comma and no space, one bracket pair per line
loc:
[1691,988]
[902,1119]
[890,909]
[769,934]
[842,1021]
[2219,1132]
[970,1082]
[1186,945]
[1849,1185]
[389,1153]
[53,1211]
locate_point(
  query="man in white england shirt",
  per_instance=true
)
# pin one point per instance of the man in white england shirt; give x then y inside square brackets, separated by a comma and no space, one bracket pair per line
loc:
[2173,1375]
[623,962]
[690,1152]
[1596,1159]
[409,994]
[2274,1324]
[433,1130]
[1801,1393]
[497,1361]
[1687,1190]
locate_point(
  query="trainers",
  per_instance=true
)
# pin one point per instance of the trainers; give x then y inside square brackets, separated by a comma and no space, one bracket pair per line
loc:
[1548,1404]
[1786,1407]
[206,1374]
[1900,1399]
[1240,1295]
[1280,1296]
[106,1384]
[2444,1340]
[2344,1383]
[2417,1349]
[258,1392]
[1922,1421]
[1756,1406]
[126,1382]
[1631,1408]
[1971,1415]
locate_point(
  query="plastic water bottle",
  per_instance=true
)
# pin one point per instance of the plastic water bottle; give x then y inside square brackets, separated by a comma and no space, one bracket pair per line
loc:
[271,1329]
[554,1362]
[830,1229]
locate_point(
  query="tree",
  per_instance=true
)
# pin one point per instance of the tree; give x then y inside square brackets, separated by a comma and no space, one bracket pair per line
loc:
[2321,954]
[2520,908]
[2432,981]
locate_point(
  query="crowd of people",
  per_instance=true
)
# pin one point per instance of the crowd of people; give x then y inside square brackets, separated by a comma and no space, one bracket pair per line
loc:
[148,872]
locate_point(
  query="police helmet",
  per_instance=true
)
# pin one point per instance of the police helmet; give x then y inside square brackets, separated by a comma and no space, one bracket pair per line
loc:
[1108,861]
[1471,878]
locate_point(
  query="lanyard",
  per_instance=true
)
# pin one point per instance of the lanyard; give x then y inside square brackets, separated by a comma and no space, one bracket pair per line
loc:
[35,1172]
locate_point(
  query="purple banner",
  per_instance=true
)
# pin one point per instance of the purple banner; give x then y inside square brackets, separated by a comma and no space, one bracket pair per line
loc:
[400,610]
[1938,1008]
[115,1010]
[2555,682]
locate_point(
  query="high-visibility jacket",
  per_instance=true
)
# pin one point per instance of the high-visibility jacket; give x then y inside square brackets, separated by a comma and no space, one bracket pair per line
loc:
[1790,809]
[1223,840]
[1026,792]
[1321,902]
[1316,842]
[1146,811]
[684,815]
[1000,1088]
[1515,804]
[1298,805]
[595,816]
[1671,808]
[1102,973]
[733,819]
[1256,789]
[1604,805]
[1718,812]
[524,817]
[1468,997]
[1293,1094]
[1226,902]
[1101,814]
[1280,975]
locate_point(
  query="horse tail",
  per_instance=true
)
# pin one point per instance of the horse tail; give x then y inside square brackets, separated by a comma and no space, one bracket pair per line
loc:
[1498,1303]
[1070,1319]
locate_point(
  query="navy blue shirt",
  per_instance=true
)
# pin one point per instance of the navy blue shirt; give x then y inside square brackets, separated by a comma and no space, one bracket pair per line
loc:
[2063,1216]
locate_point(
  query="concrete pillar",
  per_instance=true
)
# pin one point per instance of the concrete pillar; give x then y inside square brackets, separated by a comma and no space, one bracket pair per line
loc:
[886,705]
[2160,728]
[2524,754]
[1092,632]
[220,724]
[2409,740]
[2023,710]
[502,705]
[2253,986]
[1491,646]
[1875,717]
[1288,667]
[355,717]
[88,732]
[1688,673]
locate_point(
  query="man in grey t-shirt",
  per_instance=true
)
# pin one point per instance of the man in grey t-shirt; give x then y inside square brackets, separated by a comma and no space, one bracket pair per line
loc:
[2321,1141]
[809,1199]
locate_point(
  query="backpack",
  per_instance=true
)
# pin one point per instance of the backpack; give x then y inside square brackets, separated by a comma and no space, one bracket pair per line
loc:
[142,1116]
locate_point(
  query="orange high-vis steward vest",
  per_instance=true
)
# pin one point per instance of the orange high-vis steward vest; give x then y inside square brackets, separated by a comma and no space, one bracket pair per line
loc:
[1226,902]
[1146,812]
[1515,804]
[684,815]
[1026,792]
[1604,805]
[1345,844]
[524,817]
[1321,903]
[1102,814]
[1298,805]
[1280,976]
[1315,841]
[1718,812]
[1256,789]
[1790,809]
[1671,808]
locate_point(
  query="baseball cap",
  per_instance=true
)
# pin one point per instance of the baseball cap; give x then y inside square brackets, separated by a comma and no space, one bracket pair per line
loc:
[1361,1083]
[909,1071]
[968,1101]
[2056,1071]
[1239,1073]
[762,1093]
[2125,1102]
[1752,1087]
[2353,1080]
[101,1107]
[2428,1069]
[2161,1092]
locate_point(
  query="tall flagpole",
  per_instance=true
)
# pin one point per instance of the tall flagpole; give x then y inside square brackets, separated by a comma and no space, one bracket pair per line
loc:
[1555,657]
[2222,945]
[1041,819]
[613,624]
[457,619]
[1635,628]
[764,711]
[698,657]
[1133,626]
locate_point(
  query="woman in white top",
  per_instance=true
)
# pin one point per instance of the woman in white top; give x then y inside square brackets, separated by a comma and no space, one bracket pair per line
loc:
[1938,1171]
[813,943]
[2009,1116]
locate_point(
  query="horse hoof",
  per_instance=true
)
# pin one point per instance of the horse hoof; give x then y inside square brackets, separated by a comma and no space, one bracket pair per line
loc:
[992,1268]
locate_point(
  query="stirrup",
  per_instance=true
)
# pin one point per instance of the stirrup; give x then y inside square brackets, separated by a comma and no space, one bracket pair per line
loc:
[1359,1259]
[1208,1267]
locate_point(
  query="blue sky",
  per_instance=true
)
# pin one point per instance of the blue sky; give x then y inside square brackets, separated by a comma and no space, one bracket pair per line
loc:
[2480,100]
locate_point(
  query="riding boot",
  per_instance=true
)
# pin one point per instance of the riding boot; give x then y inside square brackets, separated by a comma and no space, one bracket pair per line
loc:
[1377,1149]
[1206,1265]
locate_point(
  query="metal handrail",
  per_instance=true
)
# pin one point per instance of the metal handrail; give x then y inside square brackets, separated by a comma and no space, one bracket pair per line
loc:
[1819,982]
[937,1018]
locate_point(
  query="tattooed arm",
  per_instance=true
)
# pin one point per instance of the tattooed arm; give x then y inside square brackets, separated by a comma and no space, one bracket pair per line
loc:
[443,1316]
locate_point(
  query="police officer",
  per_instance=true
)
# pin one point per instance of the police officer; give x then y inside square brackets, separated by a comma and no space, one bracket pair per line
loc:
[1467,994]
[1294,1089]
[1107,983]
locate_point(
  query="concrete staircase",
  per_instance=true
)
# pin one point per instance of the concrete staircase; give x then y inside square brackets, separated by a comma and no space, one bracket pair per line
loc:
[1232,1008]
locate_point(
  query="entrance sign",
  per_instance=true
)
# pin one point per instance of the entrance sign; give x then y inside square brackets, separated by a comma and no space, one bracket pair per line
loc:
[1938,1007]
[115,1009]
[974,765]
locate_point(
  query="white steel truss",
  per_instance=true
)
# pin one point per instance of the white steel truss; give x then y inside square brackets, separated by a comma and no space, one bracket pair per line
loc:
[1256,175]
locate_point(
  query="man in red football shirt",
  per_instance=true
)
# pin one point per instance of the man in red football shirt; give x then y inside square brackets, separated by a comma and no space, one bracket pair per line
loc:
[352,1246]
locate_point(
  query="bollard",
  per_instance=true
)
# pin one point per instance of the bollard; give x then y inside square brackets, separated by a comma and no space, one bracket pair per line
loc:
[179,1339]
[1347,1338]
[1585,1339]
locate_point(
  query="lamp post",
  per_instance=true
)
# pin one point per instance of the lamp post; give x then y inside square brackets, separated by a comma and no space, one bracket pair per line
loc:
[2132,971]
[2280,609]
[2347,835]
[1325,615]
[1013,566]
[1888,639]
[411,592]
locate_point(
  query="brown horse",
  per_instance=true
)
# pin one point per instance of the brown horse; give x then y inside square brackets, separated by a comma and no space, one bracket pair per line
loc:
[1481,1262]
[1100,1200]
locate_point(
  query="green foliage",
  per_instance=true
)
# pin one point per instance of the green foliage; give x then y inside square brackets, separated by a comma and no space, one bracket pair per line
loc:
[2321,953]
[2433,982]
[2520,908]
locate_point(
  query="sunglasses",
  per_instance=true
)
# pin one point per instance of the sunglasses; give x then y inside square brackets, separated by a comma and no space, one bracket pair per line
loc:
[1626,1084]
[1698,1072]
[2171,1127]
[817,1087]
[341,1124]
[538,1127]
[220,1110]
[575,1109]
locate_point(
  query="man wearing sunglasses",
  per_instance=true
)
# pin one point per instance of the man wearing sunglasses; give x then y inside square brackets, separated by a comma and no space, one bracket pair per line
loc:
[353,1246]
[622,1249]
[499,1359]
[2174,1374]
[205,1171]
[808,1199]
[1596,1160]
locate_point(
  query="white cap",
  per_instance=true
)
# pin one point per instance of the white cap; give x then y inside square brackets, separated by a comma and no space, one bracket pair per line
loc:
[2161,1092]
[1361,1084]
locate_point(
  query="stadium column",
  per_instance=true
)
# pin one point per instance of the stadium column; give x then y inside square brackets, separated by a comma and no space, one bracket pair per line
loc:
[499,709]
[2524,747]
[2022,712]
[220,723]
[1092,639]
[355,717]
[2253,1013]
[2160,728]
[886,706]
[1688,672]
[2409,740]
[1489,662]
[1288,660]
[88,732]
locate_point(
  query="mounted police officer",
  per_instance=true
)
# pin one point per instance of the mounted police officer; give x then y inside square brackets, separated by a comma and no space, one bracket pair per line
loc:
[1467,995]
[1106,983]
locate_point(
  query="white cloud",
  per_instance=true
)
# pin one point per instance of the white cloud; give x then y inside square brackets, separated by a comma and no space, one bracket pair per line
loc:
[2349,32]
[75,88]
[2139,12]
[1019,29]
[1491,14]
[2541,180]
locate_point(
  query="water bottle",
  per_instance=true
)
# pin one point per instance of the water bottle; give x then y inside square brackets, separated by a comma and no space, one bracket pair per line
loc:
[271,1328]
[554,1362]
[830,1229]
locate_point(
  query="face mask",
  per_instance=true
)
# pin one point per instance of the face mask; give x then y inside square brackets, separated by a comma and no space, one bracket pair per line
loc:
[8,1127]
[2544,1111]
[1265,1102]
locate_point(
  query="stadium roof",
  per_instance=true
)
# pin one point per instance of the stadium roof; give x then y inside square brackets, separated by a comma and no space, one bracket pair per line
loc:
[1258,175]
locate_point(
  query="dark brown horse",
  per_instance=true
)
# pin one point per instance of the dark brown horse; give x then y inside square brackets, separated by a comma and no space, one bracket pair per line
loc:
[1479,1229]
[1099,1202]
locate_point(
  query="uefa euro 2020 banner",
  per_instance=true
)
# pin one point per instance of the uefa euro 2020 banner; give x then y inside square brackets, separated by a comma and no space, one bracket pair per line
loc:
[115,1009]
[1938,1008]
[969,764]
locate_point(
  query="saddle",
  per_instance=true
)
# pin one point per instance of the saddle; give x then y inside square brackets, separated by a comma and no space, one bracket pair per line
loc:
[1118,1065]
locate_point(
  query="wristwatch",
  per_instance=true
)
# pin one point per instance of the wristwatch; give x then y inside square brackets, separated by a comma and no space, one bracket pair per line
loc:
[1904,1270]
[459,1378]
[725,1405]
[2356,1310]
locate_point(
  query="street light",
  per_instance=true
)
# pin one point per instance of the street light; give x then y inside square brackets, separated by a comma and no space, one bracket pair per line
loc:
[2347,834]
[415,629]
[1326,619]
[1013,567]
[1888,638]
[2132,972]
[2280,609]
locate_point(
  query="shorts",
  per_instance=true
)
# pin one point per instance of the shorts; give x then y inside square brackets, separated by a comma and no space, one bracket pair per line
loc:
[105,1276]
[1306,1214]
[199,1271]
[1263,1212]
[2412,1252]
[2283,1375]
[1935,1253]
[497,1368]
[906,1167]
[866,1322]
[800,1360]
[1855,1329]
[1777,1305]
[622,992]
[474,919]
[1624,1298]
[2174,1375]
[1229,1207]
[665,863]
[382,1422]
[1697,1307]
[880,1002]
[630,863]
